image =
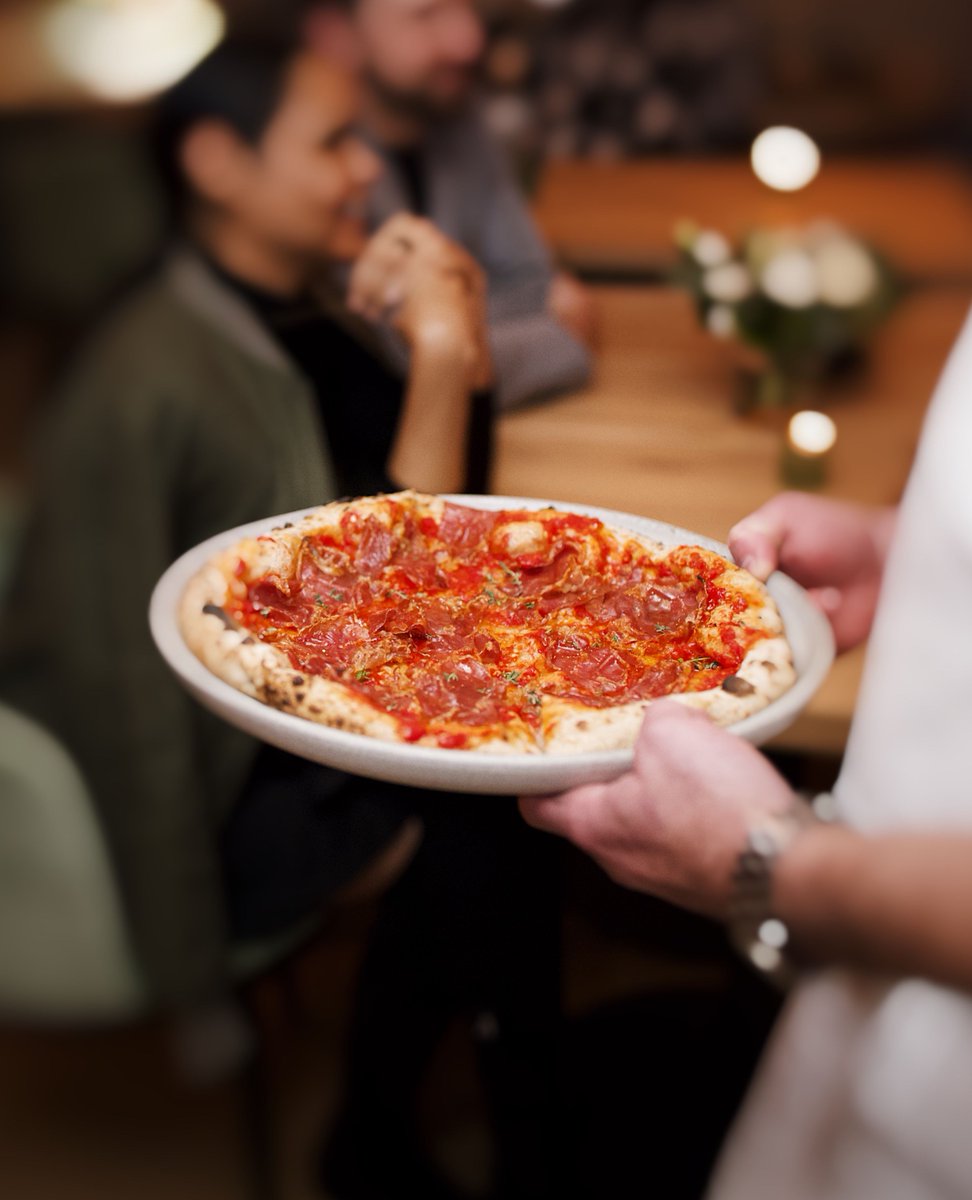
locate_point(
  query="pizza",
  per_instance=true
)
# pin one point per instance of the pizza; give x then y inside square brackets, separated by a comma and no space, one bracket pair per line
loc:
[411,618]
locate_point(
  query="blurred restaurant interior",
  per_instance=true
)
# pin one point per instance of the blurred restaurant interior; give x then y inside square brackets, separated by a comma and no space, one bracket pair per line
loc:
[632,127]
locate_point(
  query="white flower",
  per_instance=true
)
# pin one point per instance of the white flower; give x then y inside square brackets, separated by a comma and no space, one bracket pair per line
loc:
[847,274]
[729,283]
[721,322]
[790,279]
[711,249]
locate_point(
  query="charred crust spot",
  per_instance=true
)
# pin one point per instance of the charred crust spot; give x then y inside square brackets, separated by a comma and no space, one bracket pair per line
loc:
[274,696]
[298,680]
[248,641]
[213,610]
[737,687]
[583,726]
[315,710]
[299,697]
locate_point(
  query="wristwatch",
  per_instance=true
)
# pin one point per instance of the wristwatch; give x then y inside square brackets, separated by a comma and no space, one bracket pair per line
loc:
[754,928]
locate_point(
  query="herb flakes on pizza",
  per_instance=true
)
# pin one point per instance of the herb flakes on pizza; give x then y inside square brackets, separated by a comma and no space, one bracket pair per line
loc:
[413,619]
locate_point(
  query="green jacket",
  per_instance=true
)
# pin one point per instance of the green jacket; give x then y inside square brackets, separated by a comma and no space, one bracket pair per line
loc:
[182,419]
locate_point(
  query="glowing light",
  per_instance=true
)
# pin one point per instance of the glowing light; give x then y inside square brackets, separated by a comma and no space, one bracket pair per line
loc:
[131,49]
[811,434]
[785,158]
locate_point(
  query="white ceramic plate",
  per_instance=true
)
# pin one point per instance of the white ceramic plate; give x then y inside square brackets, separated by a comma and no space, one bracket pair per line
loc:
[470,770]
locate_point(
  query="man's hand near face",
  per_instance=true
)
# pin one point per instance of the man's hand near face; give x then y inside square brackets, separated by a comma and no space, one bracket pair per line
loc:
[433,292]
[429,288]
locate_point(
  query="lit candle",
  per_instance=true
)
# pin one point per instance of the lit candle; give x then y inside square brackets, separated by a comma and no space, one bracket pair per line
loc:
[810,437]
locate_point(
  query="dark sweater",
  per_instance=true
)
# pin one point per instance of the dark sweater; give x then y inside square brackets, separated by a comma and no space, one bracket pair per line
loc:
[181,420]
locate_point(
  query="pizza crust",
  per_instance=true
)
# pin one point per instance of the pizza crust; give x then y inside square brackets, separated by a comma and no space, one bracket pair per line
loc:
[264,672]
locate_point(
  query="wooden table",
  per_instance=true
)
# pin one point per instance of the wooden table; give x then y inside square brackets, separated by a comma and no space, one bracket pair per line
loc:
[656,434]
[619,217]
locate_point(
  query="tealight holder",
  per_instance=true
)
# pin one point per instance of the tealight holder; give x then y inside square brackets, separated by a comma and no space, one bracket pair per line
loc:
[807,448]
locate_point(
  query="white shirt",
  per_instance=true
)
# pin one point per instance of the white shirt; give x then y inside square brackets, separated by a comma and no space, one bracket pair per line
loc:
[866,1090]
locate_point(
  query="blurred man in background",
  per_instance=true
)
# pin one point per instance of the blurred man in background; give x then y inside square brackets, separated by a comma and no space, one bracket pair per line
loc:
[418,61]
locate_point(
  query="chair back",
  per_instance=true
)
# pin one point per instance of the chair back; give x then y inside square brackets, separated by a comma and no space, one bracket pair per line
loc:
[64,951]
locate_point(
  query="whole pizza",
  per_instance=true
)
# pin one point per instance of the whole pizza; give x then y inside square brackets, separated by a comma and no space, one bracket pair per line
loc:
[410,618]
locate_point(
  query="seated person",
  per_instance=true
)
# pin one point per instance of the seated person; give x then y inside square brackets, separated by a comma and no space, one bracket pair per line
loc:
[218,394]
[417,61]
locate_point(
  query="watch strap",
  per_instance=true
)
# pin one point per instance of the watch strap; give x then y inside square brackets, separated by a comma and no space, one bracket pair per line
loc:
[754,928]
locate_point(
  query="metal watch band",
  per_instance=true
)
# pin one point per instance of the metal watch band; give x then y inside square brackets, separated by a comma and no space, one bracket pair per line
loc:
[754,929]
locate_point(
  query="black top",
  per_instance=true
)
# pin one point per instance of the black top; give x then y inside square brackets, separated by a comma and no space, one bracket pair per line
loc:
[359,397]
[411,169]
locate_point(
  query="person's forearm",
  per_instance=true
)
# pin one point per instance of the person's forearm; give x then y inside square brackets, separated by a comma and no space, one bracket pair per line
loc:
[429,448]
[898,903]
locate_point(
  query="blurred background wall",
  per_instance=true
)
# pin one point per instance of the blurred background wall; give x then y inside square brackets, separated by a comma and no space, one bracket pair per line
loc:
[596,79]
[588,78]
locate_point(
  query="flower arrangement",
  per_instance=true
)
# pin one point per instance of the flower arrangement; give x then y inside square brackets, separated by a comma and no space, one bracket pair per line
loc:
[803,301]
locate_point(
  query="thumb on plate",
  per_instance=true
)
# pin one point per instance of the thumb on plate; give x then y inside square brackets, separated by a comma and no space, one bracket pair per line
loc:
[755,545]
